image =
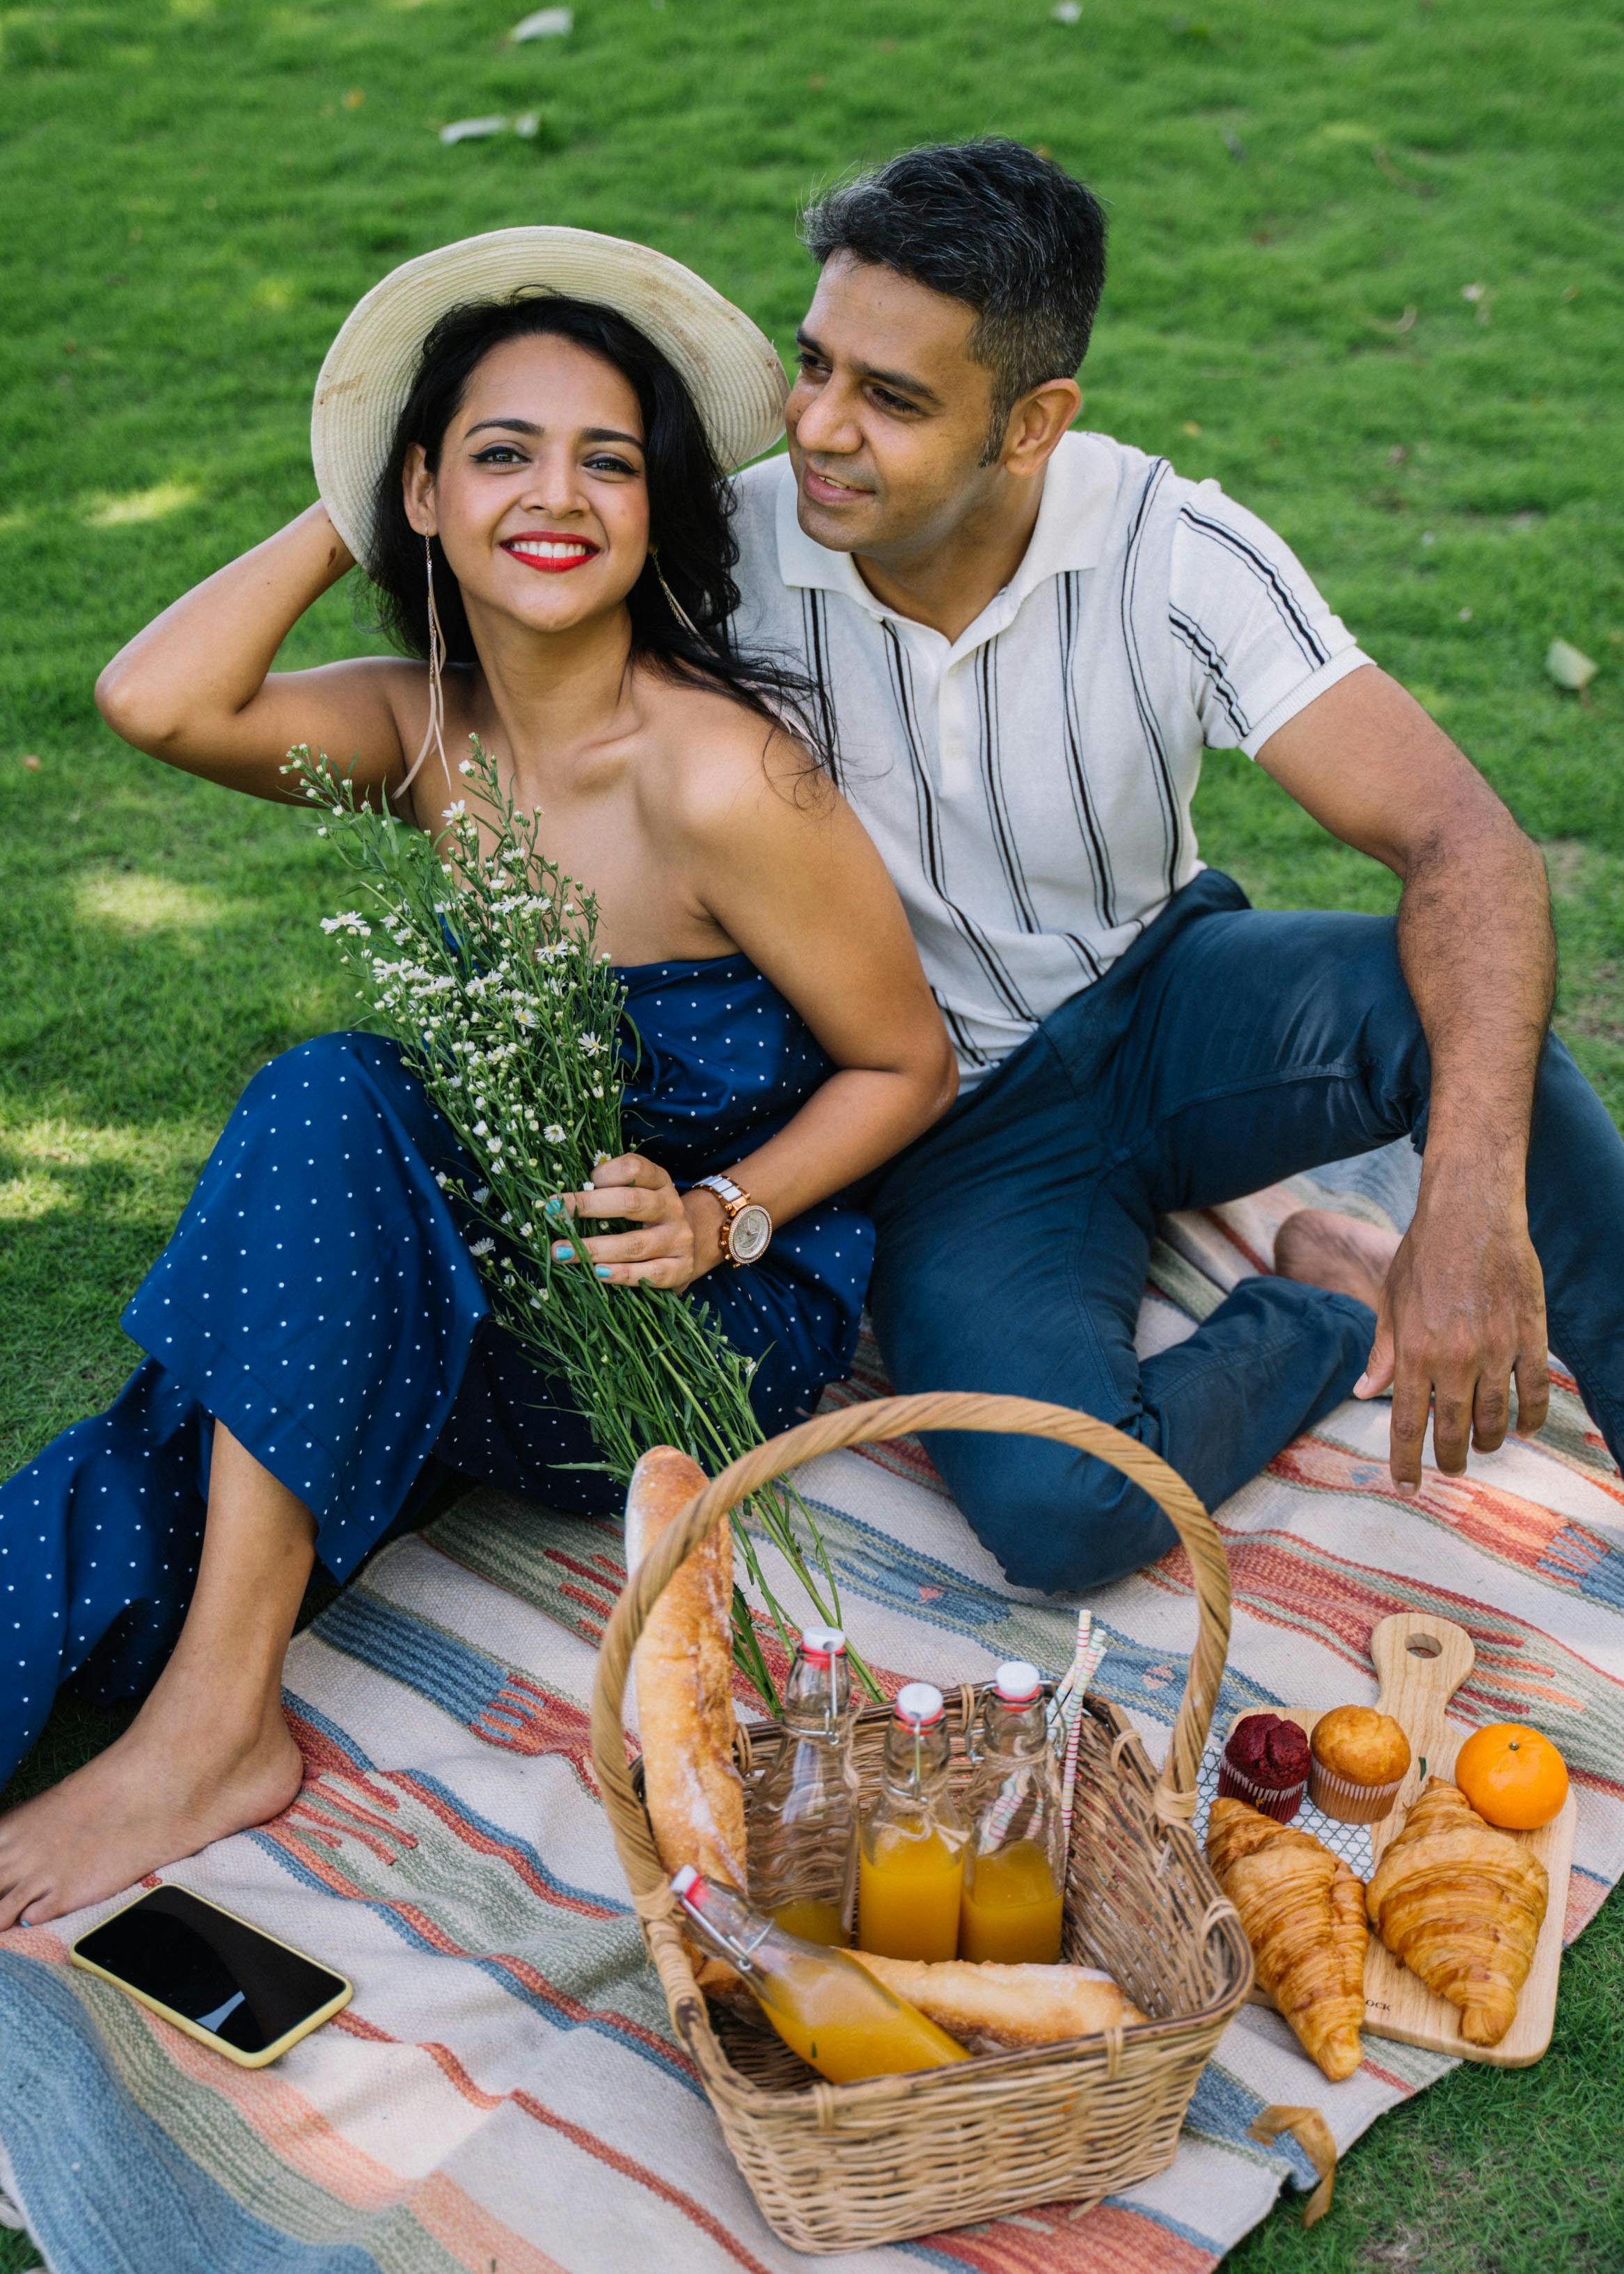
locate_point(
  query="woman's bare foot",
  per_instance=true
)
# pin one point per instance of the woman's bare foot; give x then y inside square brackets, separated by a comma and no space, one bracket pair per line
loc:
[186,1771]
[209,1753]
[1338,1252]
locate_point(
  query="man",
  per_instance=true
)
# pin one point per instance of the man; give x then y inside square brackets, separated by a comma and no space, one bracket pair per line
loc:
[1025,637]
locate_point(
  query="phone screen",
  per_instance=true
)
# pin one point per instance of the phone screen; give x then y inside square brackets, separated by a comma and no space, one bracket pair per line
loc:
[220,1973]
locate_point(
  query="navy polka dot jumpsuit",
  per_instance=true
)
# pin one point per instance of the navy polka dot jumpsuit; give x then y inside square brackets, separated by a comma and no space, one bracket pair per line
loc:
[318,1297]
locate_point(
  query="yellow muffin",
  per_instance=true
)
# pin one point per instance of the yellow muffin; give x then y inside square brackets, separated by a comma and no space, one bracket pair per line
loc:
[1360,1757]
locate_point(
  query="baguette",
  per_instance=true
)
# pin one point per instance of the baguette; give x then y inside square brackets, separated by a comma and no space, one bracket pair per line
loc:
[1005,2006]
[682,1669]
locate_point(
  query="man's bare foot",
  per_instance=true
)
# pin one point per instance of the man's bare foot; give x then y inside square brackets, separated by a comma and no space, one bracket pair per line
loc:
[1338,1252]
[175,1781]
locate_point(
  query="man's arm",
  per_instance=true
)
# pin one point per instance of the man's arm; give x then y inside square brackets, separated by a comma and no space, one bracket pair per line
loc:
[1463,1307]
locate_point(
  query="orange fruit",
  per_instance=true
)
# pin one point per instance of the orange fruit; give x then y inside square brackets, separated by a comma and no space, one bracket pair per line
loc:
[1512,1776]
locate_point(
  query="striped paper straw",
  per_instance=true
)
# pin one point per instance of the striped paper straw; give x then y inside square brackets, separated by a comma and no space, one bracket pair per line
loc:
[1086,1660]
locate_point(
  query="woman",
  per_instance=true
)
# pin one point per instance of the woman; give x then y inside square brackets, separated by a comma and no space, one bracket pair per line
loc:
[525,473]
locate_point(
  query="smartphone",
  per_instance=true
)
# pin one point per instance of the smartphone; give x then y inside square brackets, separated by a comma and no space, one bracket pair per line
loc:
[225,1982]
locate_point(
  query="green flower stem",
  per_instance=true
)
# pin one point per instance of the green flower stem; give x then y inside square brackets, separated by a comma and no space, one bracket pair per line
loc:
[511,1018]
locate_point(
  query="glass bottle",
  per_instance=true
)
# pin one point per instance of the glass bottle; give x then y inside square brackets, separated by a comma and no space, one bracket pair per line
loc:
[803,1828]
[821,2002]
[911,1853]
[1014,1868]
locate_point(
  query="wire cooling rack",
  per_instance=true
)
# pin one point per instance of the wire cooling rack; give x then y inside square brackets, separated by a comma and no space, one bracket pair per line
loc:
[1350,1842]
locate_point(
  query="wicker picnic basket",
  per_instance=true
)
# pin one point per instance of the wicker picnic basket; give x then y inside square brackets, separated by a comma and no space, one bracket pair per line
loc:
[848,2167]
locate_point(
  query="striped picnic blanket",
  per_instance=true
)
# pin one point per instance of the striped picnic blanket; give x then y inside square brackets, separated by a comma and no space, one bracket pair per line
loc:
[504,2095]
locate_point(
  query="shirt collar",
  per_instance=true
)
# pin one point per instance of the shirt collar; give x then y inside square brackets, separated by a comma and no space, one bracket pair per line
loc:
[1079,492]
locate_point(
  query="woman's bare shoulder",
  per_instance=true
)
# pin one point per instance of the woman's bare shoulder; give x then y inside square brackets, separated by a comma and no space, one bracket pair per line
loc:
[716,763]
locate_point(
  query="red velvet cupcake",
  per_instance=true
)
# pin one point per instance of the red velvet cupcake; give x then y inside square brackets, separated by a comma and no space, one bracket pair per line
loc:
[1266,1764]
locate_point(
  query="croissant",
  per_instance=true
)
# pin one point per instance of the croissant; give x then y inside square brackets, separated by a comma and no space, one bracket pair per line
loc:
[1302,1910]
[1461,1904]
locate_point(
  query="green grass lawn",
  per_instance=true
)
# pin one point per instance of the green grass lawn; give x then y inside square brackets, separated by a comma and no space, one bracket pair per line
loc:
[195,191]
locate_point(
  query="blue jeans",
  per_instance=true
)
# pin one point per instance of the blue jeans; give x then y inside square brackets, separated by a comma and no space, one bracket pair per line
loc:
[1228,1048]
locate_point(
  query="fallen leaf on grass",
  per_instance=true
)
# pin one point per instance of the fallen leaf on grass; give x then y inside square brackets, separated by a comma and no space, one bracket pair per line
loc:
[355,98]
[471,129]
[1568,667]
[544,24]
[31,761]
[1400,181]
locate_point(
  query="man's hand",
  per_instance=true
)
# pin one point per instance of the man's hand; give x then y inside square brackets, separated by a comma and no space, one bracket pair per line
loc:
[1463,1307]
[1464,1310]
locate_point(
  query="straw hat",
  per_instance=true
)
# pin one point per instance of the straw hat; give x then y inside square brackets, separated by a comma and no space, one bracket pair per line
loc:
[729,367]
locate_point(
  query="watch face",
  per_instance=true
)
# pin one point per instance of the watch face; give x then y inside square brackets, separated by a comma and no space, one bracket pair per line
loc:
[752,1229]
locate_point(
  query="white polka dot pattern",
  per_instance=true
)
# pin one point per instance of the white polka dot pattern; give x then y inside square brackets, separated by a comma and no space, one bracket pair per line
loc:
[317,1297]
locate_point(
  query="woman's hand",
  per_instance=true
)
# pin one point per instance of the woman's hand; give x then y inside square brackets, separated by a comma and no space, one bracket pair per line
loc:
[677,1239]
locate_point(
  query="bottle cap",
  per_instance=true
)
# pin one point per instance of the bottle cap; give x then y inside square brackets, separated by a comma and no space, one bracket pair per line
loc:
[687,1886]
[819,1644]
[919,1704]
[1016,1682]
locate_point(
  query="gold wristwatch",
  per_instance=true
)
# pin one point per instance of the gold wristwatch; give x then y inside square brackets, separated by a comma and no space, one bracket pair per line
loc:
[747,1228]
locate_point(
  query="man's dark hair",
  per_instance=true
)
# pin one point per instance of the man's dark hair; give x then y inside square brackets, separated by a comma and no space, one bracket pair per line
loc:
[991,224]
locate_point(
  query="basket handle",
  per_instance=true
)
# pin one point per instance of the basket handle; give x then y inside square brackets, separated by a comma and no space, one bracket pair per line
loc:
[861,1424]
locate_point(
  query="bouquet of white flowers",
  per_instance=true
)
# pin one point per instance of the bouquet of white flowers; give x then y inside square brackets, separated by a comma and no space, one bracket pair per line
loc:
[503,1006]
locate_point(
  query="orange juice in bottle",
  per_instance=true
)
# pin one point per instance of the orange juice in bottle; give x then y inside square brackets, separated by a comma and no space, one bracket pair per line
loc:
[910,1869]
[822,2005]
[1014,1873]
[803,1819]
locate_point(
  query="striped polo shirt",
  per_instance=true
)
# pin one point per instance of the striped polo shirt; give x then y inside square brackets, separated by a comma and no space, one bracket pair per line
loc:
[1029,784]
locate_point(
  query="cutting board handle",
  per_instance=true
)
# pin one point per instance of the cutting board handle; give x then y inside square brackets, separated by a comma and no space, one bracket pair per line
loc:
[1420,1662]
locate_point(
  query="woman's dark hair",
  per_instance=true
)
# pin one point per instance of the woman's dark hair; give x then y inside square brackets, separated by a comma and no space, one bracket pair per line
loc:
[690,504]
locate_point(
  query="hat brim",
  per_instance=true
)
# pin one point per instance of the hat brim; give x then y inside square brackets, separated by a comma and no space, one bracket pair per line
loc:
[729,367]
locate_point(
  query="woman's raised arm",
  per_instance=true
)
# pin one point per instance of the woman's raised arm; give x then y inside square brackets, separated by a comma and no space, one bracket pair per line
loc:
[196,687]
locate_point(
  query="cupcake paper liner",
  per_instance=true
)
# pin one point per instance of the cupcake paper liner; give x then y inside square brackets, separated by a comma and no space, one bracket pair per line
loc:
[1268,1800]
[1348,1802]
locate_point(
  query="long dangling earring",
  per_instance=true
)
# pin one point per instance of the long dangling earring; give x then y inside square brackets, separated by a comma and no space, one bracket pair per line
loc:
[673,603]
[434,737]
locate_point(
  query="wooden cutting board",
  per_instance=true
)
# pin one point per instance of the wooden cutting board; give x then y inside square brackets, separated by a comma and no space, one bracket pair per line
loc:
[1420,1664]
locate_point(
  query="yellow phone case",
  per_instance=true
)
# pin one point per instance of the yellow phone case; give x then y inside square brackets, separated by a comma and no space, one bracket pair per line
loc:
[302,2028]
